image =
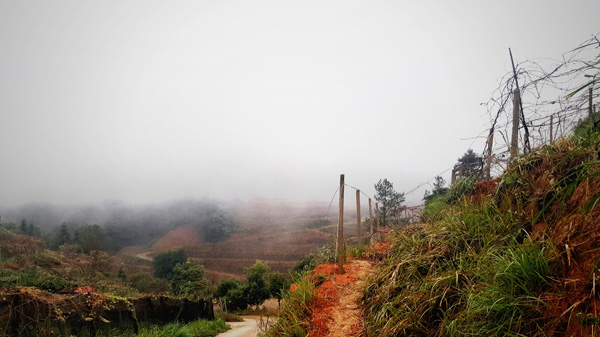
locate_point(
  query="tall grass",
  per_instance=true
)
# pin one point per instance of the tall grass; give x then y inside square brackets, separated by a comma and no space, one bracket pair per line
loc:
[295,310]
[199,328]
[470,274]
[475,270]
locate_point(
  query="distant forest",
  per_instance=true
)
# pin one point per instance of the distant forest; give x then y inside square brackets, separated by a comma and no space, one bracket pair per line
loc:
[127,225]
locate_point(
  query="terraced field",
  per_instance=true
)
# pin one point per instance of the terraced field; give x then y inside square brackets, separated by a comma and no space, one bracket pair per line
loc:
[281,234]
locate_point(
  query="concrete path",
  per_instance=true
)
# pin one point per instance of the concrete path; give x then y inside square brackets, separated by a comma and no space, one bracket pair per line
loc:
[247,328]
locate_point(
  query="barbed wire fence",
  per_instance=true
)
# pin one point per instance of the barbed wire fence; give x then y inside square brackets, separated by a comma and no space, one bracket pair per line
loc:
[553,101]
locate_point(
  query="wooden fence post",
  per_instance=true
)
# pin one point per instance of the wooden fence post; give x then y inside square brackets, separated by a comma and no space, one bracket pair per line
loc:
[551,125]
[488,160]
[359,232]
[590,102]
[371,217]
[377,215]
[340,247]
[514,143]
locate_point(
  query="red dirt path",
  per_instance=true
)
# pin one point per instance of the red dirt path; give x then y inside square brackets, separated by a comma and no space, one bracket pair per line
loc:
[335,312]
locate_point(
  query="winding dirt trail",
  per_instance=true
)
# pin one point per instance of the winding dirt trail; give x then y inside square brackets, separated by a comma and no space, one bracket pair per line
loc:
[336,311]
[144,256]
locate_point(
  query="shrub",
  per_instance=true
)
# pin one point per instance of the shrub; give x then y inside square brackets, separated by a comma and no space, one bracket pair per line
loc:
[146,283]
[47,258]
[225,286]
[165,262]
[307,264]
[90,237]
[33,277]
[188,279]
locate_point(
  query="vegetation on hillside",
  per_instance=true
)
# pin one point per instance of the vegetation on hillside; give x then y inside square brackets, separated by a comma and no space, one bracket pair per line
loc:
[260,284]
[514,257]
[389,199]
[121,225]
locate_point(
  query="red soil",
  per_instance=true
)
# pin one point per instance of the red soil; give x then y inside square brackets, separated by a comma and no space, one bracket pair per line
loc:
[335,312]
[180,236]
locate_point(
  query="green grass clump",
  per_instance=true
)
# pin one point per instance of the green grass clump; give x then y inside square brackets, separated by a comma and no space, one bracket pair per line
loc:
[504,301]
[199,328]
[291,319]
[477,271]
[469,274]
[358,251]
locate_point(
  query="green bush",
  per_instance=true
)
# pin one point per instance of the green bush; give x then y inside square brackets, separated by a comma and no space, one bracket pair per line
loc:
[236,298]
[165,262]
[34,277]
[8,278]
[47,258]
[225,286]
[307,264]
[188,280]
[146,283]
[586,126]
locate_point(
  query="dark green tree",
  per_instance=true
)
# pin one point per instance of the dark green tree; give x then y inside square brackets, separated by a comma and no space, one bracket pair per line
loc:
[278,284]
[146,283]
[468,157]
[62,237]
[438,189]
[225,286]
[166,261]
[388,199]
[24,229]
[218,226]
[257,290]
[234,293]
[188,280]
[90,237]
[237,298]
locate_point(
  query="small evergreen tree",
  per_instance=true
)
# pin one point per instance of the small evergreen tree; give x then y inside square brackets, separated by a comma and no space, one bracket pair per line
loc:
[438,189]
[23,229]
[388,198]
[63,237]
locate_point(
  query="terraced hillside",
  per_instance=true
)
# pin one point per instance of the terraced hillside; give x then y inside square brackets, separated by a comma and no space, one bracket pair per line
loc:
[281,249]
[279,233]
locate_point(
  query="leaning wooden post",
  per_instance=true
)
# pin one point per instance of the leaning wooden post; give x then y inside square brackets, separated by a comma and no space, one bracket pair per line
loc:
[590,109]
[488,161]
[377,215]
[371,217]
[358,216]
[514,143]
[340,247]
[551,123]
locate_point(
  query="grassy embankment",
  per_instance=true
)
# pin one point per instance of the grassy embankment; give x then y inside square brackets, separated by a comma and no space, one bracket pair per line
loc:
[518,259]
[199,328]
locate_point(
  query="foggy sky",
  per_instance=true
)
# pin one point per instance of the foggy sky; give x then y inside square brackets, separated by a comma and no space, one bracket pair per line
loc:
[145,101]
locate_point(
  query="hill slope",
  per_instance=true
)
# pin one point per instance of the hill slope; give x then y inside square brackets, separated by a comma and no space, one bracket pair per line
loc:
[518,259]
